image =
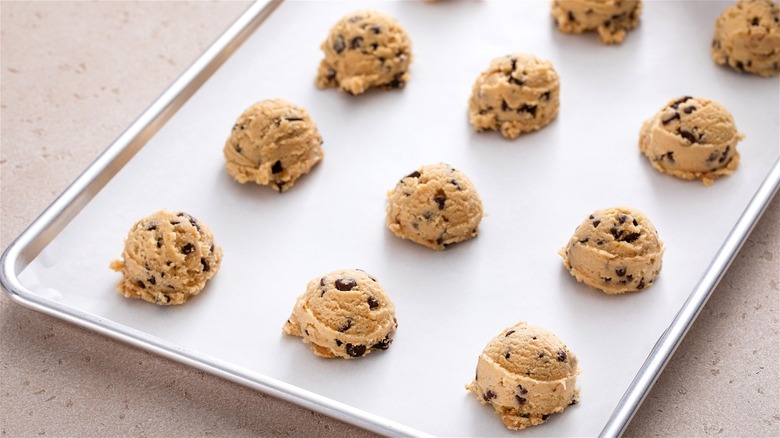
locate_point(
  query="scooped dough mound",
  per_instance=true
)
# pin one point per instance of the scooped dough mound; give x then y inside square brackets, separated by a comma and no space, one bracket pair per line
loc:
[435,206]
[747,37]
[616,250]
[691,138]
[273,143]
[168,258]
[344,313]
[365,49]
[526,374]
[518,93]
[612,19]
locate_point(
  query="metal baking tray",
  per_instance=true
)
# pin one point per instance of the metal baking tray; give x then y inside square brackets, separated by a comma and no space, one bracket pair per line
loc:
[535,190]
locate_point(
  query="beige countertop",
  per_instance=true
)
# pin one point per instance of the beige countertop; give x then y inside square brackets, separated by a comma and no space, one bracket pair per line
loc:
[75,74]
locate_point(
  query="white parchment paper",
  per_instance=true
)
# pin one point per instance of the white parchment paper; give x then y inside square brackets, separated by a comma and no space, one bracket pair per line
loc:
[535,191]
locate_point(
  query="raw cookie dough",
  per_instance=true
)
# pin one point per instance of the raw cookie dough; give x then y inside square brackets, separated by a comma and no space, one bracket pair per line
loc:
[273,143]
[611,18]
[691,138]
[344,313]
[168,258]
[616,250]
[365,49]
[518,93]
[526,373]
[434,206]
[747,37]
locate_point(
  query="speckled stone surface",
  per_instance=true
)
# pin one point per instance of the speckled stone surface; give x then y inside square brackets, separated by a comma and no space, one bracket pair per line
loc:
[64,63]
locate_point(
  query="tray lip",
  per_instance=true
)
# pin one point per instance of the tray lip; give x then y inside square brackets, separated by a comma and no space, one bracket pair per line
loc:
[68,204]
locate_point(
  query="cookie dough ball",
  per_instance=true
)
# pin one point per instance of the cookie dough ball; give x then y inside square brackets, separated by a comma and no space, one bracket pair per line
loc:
[273,143]
[691,138]
[616,250]
[747,37]
[526,374]
[434,206]
[518,93]
[365,49]
[168,258]
[612,19]
[345,313]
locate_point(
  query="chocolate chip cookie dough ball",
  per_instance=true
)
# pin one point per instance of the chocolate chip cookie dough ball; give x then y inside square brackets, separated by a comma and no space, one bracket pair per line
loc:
[273,143]
[691,138]
[747,37]
[616,250]
[365,49]
[168,258]
[345,314]
[518,93]
[526,374]
[612,19]
[434,206]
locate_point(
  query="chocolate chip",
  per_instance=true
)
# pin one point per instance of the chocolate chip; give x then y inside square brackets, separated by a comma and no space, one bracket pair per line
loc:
[277,167]
[668,119]
[414,174]
[384,344]
[620,272]
[520,400]
[489,395]
[152,280]
[346,325]
[345,284]
[561,356]
[677,102]
[596,223]
[375,28]
[140,284]
[338,343]
[397,82]
[355,350]
[206,267]
[509,333]
[338,44]
[372,303]
[356,42]
[630,237]
[521,390]
[440,200]
[725,154]
[531,109]
[188,248]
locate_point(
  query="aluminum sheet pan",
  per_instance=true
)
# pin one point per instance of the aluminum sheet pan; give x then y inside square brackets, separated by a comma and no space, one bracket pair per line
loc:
[535,190]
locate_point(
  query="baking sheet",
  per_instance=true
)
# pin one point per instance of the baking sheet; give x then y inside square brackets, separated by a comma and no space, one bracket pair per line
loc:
[535,189]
